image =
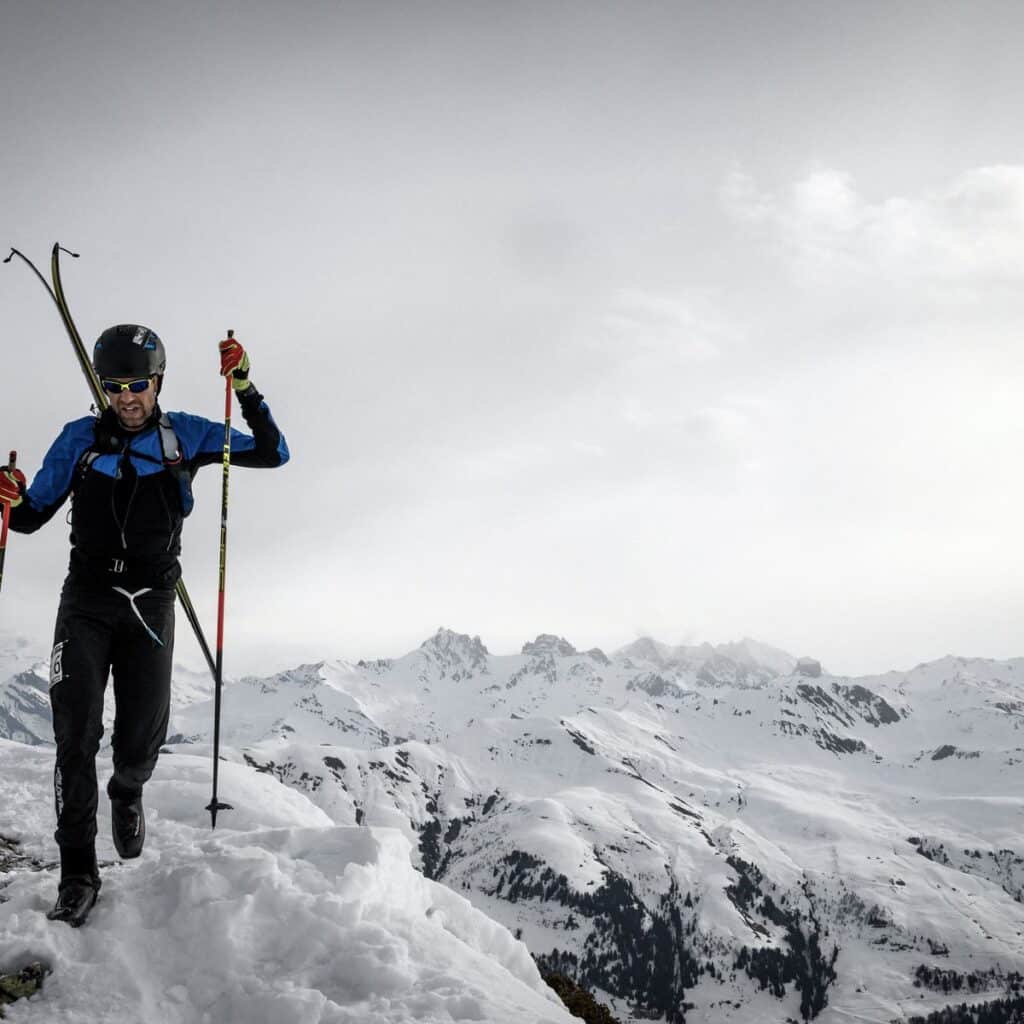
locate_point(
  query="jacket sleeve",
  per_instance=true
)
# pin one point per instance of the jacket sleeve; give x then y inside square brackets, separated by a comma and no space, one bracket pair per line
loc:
[52,484]
[203,439]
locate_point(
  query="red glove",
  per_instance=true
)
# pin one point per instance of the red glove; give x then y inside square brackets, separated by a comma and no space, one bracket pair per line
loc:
[12,486]
[234,360]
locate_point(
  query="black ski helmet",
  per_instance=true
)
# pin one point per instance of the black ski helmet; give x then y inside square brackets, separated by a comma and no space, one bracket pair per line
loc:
[129,350]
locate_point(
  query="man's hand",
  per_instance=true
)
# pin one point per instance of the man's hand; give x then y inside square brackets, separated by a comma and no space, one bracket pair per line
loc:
[234,360]
[12,486]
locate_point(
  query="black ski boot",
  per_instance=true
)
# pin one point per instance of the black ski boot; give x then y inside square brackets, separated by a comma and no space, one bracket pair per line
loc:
[75,898]
[128,824]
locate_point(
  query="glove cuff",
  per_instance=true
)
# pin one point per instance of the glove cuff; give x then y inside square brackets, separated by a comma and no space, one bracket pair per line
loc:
[248,396]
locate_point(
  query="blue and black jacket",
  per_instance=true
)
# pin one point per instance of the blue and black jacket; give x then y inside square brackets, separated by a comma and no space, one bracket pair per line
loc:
[131,490]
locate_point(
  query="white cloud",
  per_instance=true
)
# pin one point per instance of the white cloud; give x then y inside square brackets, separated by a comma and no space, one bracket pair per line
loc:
[683,327]
[969,231]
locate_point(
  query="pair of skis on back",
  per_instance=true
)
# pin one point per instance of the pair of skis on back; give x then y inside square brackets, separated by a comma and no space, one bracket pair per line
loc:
[216,665]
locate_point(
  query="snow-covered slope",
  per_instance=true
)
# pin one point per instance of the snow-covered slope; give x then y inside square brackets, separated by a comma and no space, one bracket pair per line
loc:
[24,682]
[282,916]
[718,828]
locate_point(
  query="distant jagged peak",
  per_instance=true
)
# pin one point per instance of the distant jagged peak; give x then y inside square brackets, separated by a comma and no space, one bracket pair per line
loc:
[303,676]
[548,643]
[447,639]
[457,651]
[746,663]
[35,678]
[753,652]
[647,649]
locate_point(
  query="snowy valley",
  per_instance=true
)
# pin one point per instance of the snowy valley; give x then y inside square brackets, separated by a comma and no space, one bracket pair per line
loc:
[692,833]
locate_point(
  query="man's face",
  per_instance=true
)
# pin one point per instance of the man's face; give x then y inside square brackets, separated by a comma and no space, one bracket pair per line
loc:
[133,408]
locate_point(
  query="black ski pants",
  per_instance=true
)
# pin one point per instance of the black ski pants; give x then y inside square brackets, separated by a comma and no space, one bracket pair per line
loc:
[100,631]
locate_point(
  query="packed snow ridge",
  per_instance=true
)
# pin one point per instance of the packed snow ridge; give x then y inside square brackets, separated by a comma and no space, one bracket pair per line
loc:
[282,916]
[692,832]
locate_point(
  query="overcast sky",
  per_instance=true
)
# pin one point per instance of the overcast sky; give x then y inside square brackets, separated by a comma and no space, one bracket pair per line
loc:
[692,320]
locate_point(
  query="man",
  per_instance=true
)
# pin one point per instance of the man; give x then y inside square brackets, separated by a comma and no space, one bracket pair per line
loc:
[129,474]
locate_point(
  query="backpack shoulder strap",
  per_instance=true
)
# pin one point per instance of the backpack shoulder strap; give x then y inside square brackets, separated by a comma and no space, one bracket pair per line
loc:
[174,462]
[103,443]
[169,442]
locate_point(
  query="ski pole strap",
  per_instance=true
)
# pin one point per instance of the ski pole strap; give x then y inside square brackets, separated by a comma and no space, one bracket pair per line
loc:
[135,608]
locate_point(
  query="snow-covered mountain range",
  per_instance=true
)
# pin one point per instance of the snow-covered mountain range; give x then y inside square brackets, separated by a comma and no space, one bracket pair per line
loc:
[711,833]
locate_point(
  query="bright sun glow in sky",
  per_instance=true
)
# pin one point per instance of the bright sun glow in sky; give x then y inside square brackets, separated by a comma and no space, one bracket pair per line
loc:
[690,320]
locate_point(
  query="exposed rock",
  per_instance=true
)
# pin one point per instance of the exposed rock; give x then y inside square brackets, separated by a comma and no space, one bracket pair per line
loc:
[457,654]
[810,667]
[25,708]
[656,686]
[22,984]
[548,643]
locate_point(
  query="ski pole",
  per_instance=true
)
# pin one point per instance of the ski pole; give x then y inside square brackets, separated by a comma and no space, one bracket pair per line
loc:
[214,804]
[7,515]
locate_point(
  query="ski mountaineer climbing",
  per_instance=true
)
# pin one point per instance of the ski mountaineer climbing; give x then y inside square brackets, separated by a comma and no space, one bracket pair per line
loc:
[129,473]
